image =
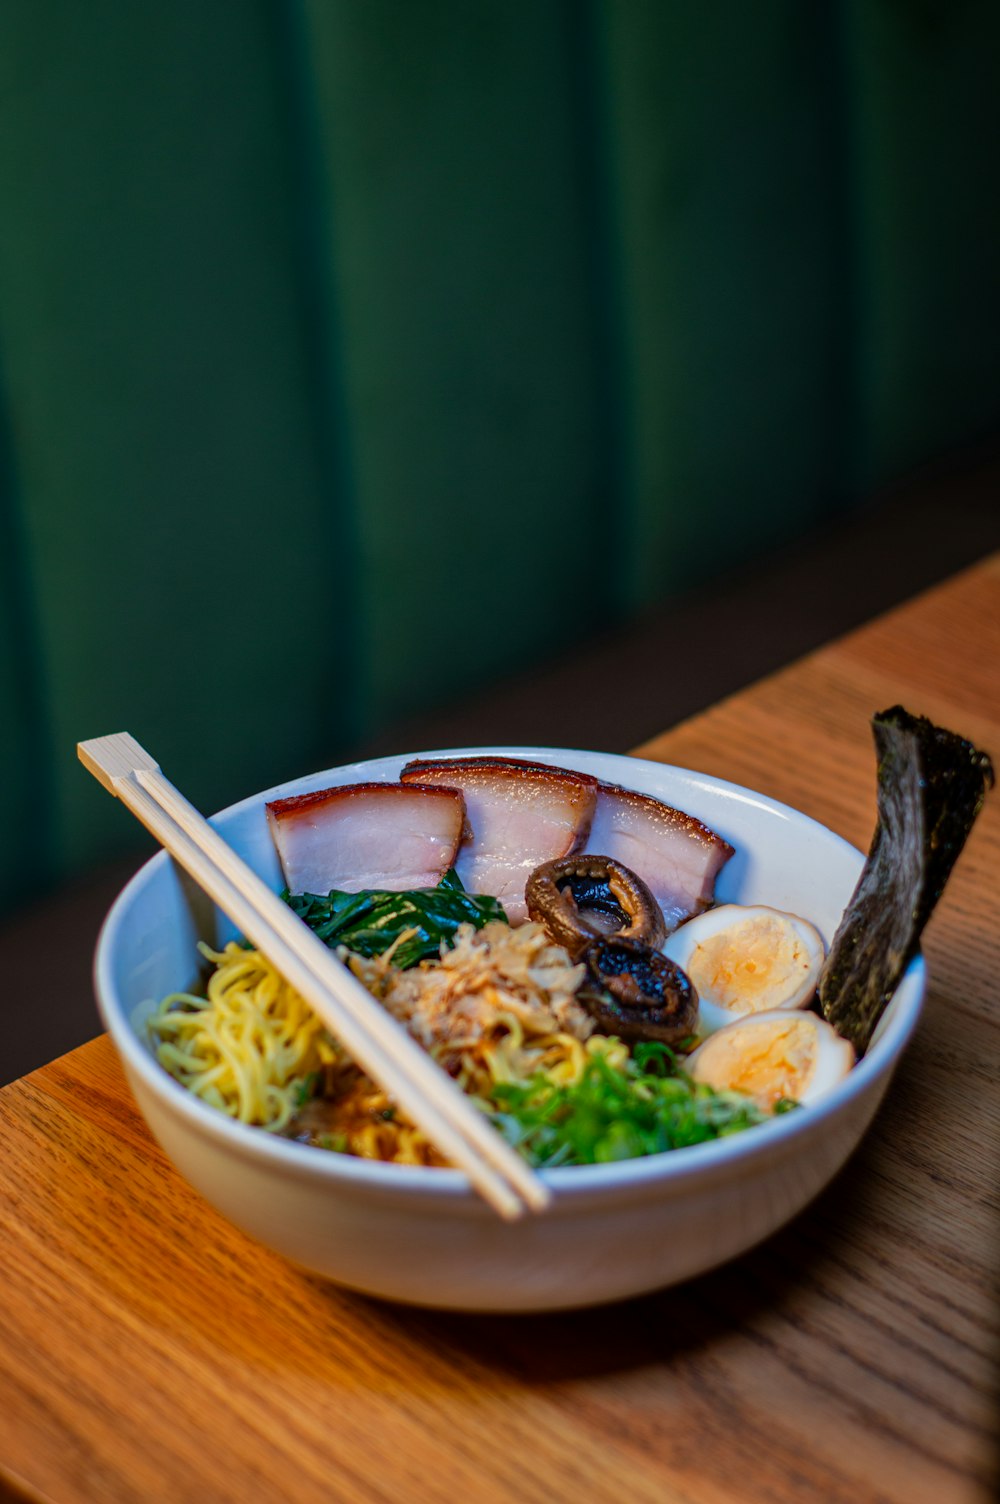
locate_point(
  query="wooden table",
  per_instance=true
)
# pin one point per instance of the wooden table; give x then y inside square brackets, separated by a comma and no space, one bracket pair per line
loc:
[148,1351]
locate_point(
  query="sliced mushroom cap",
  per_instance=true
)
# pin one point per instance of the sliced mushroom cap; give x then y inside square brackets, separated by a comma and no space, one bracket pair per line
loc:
[637,993]
[584,898]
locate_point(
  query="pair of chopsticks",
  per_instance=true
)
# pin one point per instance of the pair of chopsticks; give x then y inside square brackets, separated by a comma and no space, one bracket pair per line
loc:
[375,1041]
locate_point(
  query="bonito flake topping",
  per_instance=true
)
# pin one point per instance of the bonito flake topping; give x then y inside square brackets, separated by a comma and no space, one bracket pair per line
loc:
[488,973]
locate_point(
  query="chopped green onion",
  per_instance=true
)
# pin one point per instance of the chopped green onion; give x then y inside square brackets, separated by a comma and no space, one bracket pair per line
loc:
[645,1106]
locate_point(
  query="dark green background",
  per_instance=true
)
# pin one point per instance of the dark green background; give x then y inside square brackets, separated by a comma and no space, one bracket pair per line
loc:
[348,346]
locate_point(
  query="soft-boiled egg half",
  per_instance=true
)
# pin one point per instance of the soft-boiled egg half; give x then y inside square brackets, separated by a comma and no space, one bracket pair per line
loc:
[746,959]
[773,1057]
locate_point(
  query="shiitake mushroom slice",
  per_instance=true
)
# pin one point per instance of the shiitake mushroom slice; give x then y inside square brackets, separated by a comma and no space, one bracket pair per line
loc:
[585,897]
[637,993]
[931,787]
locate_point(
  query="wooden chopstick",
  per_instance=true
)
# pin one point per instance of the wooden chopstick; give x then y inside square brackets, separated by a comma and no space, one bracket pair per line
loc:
[373,1038]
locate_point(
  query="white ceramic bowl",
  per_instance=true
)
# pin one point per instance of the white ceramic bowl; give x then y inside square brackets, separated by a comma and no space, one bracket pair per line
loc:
[423,1235]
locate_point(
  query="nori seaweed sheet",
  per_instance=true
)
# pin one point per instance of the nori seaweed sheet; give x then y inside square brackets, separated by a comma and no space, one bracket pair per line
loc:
[931,787]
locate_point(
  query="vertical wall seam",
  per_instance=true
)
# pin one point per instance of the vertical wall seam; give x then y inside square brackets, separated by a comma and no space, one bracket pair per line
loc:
[591,97]
[340,664]
[848,323]
[30,813]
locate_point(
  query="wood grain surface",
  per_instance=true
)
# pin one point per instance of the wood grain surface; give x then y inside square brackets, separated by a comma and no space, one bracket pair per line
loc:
[150,1352]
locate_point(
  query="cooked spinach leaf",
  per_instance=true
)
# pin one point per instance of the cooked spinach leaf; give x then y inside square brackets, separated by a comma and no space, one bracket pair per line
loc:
[370,921]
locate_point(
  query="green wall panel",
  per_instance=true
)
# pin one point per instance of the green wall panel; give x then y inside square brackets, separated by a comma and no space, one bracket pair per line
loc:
[727,198]
[181,541]
[924,85]
[26,848]
[464,278]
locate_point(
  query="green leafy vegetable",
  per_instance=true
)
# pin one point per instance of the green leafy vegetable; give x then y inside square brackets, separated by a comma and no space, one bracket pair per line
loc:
[370,921]
[337,1143]
[646,1106]
[307,1088]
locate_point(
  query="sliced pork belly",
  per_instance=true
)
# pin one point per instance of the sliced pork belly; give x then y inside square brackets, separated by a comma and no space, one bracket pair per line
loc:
[675,855]
[520,813]
[367,835]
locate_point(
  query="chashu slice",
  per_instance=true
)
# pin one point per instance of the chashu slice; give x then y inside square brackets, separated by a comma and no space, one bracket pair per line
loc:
[520,814]
[367,835]
[676,855]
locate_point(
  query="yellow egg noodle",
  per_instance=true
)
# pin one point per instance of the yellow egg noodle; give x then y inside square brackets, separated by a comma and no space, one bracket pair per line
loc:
[246,1047]
[499,1006]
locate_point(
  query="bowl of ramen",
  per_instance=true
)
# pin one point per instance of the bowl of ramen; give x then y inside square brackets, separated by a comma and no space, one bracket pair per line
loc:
[617,959]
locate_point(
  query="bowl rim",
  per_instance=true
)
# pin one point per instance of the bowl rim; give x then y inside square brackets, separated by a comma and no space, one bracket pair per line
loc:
[777,1136]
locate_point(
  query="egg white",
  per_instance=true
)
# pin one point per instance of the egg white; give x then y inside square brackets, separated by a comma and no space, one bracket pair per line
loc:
[774,1055]
[747,959]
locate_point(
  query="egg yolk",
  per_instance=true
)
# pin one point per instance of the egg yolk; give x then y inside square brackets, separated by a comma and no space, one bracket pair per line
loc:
[752,966]
[767,1062]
